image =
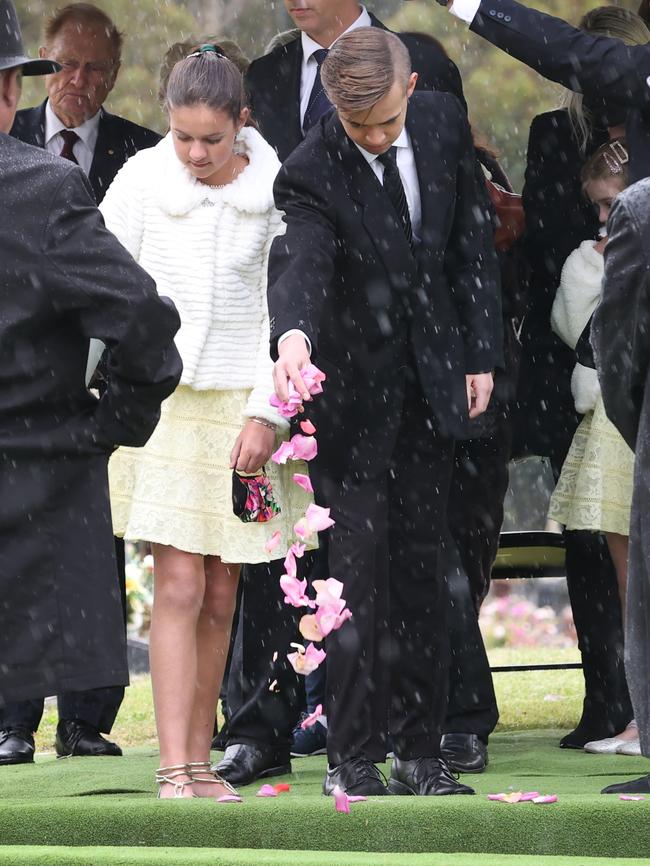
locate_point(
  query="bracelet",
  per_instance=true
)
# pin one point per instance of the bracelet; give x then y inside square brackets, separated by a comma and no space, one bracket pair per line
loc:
[264,423]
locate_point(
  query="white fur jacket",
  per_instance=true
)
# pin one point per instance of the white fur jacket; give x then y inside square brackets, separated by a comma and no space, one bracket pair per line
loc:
[576,299]
[207,249]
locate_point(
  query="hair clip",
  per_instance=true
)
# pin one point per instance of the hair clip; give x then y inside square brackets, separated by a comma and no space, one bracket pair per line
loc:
[208,48]
[619,151]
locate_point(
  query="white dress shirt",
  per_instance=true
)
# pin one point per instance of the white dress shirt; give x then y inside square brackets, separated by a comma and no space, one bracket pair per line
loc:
[408,174]
[84,149]
[465,9]
[309,64]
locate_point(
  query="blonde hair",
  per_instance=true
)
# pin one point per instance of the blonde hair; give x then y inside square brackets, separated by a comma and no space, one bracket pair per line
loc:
[616,23]
[362,66]
[609,162]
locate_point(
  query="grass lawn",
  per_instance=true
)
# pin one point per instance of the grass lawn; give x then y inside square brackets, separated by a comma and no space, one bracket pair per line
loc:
[528,701]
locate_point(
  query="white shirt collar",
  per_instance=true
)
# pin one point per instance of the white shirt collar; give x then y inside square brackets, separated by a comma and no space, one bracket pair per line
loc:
[402,140]
[309,46]
[87,132]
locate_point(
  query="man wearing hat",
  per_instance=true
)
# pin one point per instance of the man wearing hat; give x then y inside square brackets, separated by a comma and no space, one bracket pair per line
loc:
[64,279]
[73,124]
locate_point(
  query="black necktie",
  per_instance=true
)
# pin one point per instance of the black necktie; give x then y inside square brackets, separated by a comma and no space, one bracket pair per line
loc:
[318,104]
[69,139]
[395,190]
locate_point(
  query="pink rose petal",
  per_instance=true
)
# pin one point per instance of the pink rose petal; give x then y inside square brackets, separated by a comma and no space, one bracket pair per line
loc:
[341,800]
[273,541]
[305,661]
[631,797]
[357,799]
[303,447]
[528,796]
[309,629]
[312,718]
[307,427]
[318,518]
[303,481]
[298,549]
[294,591]
[548,798]
[499,797]
[329,619]
[267,791]
[229,798]
[284,453]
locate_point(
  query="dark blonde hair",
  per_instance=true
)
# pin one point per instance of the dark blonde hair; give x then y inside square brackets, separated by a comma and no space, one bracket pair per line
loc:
[83,14]
[362,66]
[206,77]
[610,161]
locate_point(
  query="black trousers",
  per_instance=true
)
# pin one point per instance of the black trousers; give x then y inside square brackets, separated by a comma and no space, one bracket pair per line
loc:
[387,668]
[96,707]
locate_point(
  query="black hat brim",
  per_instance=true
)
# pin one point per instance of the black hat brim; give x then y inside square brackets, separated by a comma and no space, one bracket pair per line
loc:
[30,67]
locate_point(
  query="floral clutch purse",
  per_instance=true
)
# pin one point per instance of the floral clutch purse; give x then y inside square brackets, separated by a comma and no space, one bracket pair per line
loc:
[252,497]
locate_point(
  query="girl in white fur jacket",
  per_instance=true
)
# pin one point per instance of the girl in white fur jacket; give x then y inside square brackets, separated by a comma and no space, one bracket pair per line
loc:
[197,213]
[594,491]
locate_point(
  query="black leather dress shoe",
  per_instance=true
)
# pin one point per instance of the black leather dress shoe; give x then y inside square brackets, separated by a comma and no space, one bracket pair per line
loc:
[589,730]
[79,739]
[358,777]
[426,777]
[464,753]
[242,764]
[634,786]
[16,746]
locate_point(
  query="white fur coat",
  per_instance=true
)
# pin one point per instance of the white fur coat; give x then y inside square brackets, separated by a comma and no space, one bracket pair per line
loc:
[207,250]
[576,299]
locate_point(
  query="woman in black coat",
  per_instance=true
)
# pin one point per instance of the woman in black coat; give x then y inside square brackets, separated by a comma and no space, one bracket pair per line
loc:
[558,219]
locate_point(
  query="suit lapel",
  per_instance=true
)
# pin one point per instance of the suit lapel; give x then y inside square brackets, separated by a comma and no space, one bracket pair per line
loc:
[32,128]
[379,220]
[110,155]
[431,170]
[287,110]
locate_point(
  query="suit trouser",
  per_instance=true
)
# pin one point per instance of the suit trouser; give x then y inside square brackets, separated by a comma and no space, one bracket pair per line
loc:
[96,707]
[388,666]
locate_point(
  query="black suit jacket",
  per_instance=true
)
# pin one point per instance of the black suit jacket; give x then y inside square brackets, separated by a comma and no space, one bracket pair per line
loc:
[345,275]
[273,85]
[608,72]
[117,140]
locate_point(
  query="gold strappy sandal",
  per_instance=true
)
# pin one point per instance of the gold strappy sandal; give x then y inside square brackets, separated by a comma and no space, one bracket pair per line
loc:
[170,776]
[201,771]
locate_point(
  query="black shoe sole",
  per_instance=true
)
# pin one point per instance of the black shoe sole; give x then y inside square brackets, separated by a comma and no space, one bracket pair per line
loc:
[16,759]
[322,751]
[399,789]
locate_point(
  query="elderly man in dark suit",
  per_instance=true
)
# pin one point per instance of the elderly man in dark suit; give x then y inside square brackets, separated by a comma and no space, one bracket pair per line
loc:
[287,98]
[64,279]
[72,123]
[386,278]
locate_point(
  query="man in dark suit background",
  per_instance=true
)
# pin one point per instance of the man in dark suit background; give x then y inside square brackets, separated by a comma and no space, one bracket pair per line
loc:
[387,278]
[286,98]
[64,279]
[73,124]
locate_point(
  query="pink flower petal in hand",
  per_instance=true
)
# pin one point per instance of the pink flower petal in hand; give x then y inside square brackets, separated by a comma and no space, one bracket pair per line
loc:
[309,629]
[267,791]
[313,379]
[303,481]
[287,408]
[312,718]
[294,591]
[273,541]
[307,427]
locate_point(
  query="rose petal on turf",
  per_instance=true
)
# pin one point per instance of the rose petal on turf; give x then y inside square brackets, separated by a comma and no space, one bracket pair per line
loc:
[630,797]
[307,427]
[514,797]
[497,797]
[356,799]
[528,796]
[273,541]
[341,800]
[282,787]
[547,798]
[229,798]
[267,791]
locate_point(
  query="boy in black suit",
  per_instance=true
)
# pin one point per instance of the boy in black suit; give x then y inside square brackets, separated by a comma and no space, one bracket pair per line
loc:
[386,278]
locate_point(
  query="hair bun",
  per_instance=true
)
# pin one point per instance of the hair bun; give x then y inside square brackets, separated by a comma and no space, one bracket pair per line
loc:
[207,48]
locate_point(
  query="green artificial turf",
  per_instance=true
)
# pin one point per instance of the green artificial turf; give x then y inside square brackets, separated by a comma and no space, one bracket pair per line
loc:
[110,802]
[29,855]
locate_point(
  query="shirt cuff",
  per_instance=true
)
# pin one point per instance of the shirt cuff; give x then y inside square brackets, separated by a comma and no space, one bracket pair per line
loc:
[465,9]
[295,331]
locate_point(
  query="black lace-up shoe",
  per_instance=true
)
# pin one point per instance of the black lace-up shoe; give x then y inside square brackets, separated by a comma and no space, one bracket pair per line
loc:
[16,746]
[357,777]
[425,777]
[75,738]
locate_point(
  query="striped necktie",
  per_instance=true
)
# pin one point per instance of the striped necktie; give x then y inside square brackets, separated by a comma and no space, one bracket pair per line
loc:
[318,104]
[395,191]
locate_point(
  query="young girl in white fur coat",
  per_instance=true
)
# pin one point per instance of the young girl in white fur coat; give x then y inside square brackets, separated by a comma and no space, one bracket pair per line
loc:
[197,213]
[594,491]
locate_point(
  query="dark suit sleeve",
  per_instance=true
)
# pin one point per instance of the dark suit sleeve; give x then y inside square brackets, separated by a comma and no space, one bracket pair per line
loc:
[591,64]
[471,264]
[301,263]
[620,331]
[92,277]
